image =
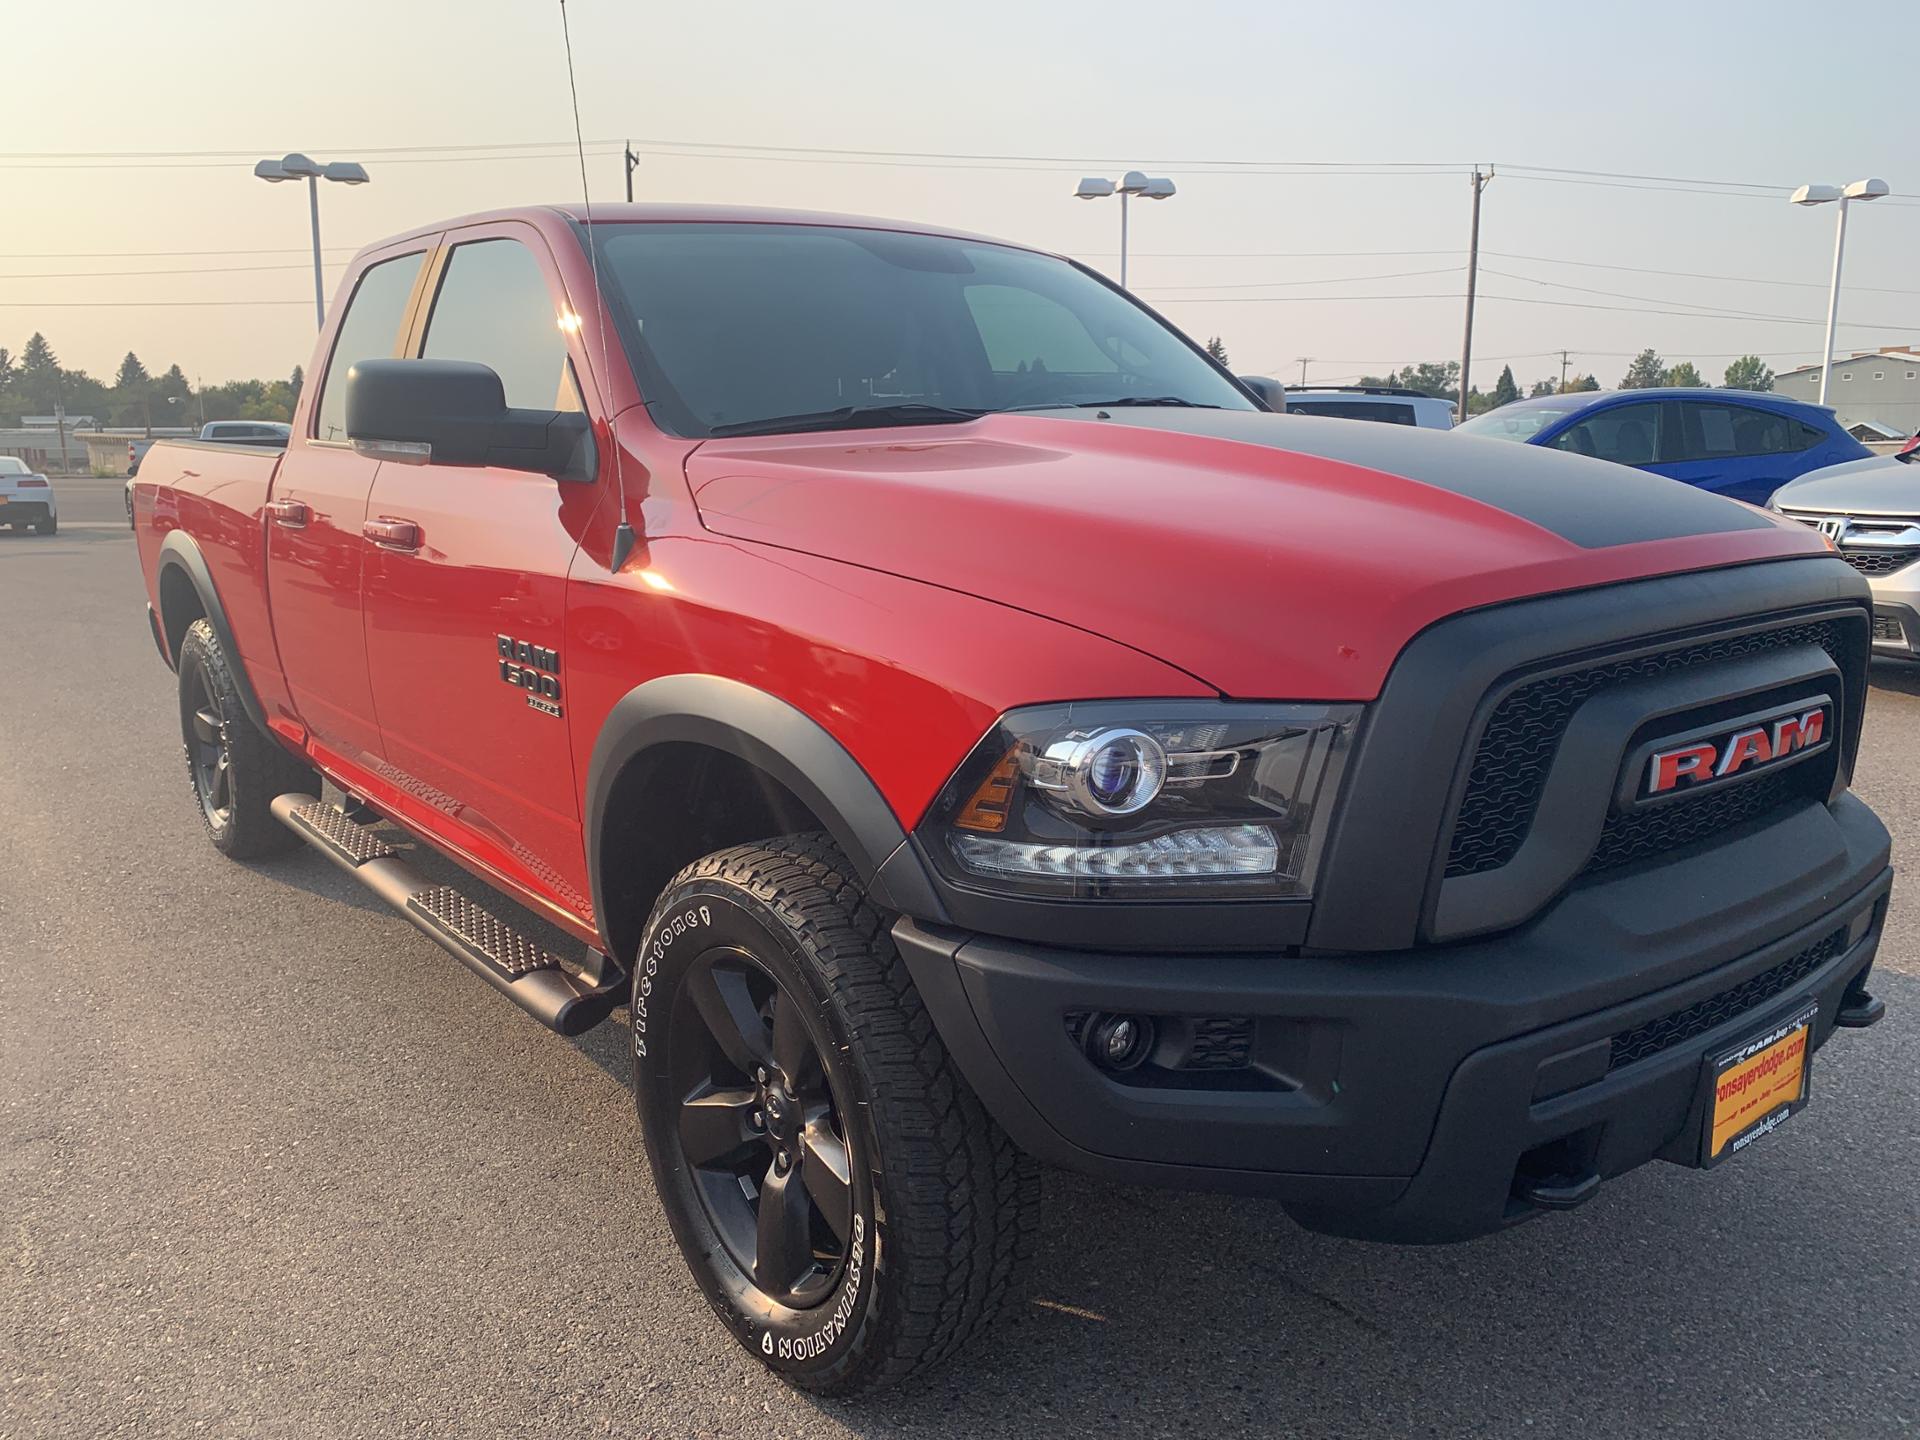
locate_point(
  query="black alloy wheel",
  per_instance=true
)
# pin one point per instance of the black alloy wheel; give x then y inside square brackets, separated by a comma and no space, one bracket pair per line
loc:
[208,754]
[236,767]
[761,1128]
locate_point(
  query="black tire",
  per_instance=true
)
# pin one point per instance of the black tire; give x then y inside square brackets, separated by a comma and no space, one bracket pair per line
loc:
[48,526]
[235,771]
[941,1210]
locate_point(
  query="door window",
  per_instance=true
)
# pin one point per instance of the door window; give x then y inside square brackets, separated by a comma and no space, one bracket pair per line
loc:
[1726,432]
[1625,434]
[494,307]
[369,331]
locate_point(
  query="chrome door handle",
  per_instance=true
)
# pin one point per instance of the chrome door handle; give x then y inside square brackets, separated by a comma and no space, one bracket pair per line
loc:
[291,513]
[391,534]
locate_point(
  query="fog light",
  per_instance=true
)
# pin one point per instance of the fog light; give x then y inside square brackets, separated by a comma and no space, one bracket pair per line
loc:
[1119,1042]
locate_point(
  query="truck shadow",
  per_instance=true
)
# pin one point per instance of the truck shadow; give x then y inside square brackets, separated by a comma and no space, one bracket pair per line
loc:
[1902,676]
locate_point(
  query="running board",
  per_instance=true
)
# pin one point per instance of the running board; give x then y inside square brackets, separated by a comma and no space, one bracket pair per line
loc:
[521,969]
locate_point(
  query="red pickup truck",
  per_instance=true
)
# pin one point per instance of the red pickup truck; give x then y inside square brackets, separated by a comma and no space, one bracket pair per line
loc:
[967,728]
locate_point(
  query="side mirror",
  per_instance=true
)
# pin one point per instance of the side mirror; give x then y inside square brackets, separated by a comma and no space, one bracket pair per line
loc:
[455,412]
[1269,392]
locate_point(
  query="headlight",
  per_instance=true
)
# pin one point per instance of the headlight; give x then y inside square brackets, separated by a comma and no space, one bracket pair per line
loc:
[1145,799]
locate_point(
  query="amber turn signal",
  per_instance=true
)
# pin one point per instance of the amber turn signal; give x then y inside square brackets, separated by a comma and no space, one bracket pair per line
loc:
[987,810]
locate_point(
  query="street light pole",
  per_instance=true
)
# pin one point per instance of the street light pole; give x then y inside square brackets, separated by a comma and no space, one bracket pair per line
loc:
[1833,298]
[298,167]
[319,284]
[1131,184]
[1829,194]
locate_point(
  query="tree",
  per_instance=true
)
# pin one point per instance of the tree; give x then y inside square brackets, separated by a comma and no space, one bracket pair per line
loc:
[1215,347]
[1428,377]
[7,374]
[1505,392]
[39,377]
[1685,374]
[132,395]
[298,381]
[1645,372]
[1749,372]
[1578,384]
[1543,387]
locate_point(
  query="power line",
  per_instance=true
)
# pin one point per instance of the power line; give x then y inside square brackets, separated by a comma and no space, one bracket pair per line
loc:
[138,254]
[129,304]
[1327,280]
[113,274]
[1705,311]
[1694,274]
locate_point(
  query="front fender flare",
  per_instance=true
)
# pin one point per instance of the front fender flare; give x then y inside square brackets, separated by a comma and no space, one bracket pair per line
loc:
[787,744]
[180,551]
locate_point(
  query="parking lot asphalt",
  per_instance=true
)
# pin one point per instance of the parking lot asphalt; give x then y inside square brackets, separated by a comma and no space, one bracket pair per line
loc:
[271,1164]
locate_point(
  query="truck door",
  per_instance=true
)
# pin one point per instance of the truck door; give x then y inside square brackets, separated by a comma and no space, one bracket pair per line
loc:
[466,587]
[314,519]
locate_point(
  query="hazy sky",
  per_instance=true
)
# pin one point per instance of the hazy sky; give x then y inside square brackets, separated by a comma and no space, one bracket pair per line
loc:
[1763,93]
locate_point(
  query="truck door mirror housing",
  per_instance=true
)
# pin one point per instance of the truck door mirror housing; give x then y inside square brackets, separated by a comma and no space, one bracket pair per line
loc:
[1268,391]
[455,412]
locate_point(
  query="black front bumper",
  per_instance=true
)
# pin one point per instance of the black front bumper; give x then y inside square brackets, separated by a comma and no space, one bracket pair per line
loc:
[1440,1092]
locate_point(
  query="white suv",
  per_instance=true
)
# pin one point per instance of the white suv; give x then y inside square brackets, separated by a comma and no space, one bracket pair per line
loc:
[1362,402]
[26,497]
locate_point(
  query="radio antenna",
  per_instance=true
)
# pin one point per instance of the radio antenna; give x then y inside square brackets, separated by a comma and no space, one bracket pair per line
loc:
[623,536]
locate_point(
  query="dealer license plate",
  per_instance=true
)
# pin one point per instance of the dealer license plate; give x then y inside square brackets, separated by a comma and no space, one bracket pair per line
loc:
[1756,1085]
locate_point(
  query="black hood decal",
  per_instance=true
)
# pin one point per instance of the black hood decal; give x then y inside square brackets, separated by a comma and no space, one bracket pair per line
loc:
[1589,503]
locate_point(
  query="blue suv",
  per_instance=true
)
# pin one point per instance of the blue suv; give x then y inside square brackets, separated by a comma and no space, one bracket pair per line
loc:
[1737,443]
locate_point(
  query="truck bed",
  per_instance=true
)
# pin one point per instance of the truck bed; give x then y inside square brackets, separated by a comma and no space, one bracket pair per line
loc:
[216,493]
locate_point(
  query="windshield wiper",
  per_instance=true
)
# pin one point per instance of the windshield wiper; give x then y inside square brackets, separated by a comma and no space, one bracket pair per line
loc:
[851,417]
[1142,400]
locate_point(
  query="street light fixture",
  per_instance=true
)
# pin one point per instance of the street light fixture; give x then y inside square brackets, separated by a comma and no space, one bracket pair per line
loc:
[298,167]
[1824,195]
[1132,183]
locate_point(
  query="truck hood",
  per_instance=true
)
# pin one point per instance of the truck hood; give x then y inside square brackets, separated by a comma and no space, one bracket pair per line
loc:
[1880,485]
[1269,556]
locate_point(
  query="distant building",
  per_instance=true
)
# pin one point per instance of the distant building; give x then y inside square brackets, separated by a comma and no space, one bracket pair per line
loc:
[1879,387]
[112,452]
[39,446]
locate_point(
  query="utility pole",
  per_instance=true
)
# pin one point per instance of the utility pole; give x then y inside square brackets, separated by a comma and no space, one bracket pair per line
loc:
[60,424]
[1563,372]
[633,163]
[1479,183]
[1305,360]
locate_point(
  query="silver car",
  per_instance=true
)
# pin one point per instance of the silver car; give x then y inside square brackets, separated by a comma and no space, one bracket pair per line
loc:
[1870,510]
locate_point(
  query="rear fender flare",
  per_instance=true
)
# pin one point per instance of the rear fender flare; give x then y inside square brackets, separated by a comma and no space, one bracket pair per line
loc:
[779,739]
[181,552]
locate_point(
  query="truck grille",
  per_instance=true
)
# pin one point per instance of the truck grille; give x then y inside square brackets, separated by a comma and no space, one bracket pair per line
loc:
[1643,833]
[1516,750]
[1650,1039]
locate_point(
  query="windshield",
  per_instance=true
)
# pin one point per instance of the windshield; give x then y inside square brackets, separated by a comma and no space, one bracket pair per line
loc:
[1513,422]
[742,327]
[13,465]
